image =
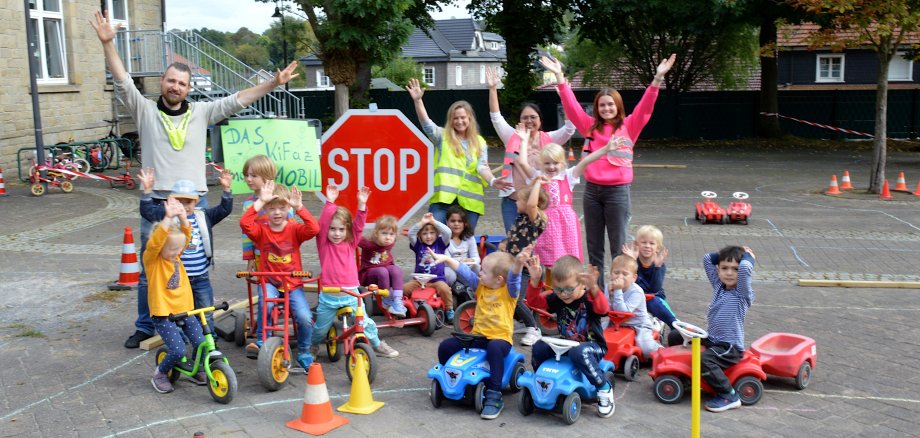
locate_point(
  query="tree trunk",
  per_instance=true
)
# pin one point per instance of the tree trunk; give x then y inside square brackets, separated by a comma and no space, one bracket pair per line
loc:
[341,100]
[359,90]
[880,146]
[768,126]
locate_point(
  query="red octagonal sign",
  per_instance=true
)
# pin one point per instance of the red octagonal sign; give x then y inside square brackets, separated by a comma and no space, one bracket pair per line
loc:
[384,151]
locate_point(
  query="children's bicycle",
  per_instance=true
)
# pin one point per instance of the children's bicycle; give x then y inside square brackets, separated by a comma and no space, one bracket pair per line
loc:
[221,378]
[351,338]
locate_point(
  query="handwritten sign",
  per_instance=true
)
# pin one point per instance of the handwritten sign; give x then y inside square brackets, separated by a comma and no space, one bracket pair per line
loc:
[291,144]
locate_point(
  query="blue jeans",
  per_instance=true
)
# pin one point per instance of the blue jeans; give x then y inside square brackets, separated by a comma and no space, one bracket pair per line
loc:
[143,323]
[300,310]
[585,357]
[606,209]
[439,210]
[509,213]
[172,337]
[203,295]
[325,314]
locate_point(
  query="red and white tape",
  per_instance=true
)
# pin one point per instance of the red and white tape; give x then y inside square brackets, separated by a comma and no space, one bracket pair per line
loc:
[75,173]
[833,128]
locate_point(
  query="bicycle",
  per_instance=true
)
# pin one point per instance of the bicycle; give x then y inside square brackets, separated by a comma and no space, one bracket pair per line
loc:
[221,377]
[128,143]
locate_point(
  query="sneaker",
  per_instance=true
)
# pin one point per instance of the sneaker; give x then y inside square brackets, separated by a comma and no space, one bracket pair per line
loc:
[492,406]
[384,350]
[606,405]
[134,341]
[723,402]
[449,316]
[314,350]
[161,382]
[200,379]
[531,337]
[398,309]
[252,350]
[386,303]
[304,360]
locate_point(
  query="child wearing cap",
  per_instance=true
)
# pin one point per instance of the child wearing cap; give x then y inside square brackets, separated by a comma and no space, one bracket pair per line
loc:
[197,257]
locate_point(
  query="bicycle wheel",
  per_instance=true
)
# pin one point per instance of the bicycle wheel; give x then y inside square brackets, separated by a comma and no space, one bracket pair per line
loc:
[108,151]
[80,164]
[134,149]
[96,158]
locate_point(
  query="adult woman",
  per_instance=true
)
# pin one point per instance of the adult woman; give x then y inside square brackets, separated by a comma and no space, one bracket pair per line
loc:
[606,198]
[461,165]
[532,119]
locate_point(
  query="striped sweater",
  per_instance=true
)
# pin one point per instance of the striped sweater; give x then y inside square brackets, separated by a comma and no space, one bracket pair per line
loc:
[729,306]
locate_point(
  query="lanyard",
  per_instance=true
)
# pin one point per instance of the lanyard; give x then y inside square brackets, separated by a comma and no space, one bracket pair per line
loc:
[176,134]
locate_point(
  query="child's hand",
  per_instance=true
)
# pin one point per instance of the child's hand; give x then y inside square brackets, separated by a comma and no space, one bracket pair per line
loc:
[748,250]
[534,268]
[631,250]
[225,179]
[438,258]
[174,208]
[524,256]
[332,193]
[616,284]
[661,257]
[267,194]
[296,200]
[363,194]
[146,178]
[427,218]
[589,279]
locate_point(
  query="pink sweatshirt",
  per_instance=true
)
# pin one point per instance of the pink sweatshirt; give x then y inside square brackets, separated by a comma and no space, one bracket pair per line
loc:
[337,261]
[604,172]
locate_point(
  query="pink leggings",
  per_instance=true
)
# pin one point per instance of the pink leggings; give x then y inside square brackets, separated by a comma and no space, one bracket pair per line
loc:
[383,276]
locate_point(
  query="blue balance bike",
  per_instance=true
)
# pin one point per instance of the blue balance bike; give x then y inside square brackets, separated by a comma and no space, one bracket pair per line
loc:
[464,376]
[557,385]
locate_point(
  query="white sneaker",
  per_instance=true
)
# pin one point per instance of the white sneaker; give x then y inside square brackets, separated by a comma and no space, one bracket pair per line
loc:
[605,403]
[531,337]
[384,350]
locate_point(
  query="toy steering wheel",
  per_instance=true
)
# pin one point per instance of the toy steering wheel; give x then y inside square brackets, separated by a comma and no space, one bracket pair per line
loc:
[689,331]
[708,194]
[740,195]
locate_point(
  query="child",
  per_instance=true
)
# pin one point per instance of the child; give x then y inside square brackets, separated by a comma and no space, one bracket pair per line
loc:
[169,292]
[198,256]
[562,235]
[579,315]
[629,297]
[730,272]
[462,247]
[527,227]
[279,240]
[497,287]
[377,265]
[649,250]
[427,234]
[337,244]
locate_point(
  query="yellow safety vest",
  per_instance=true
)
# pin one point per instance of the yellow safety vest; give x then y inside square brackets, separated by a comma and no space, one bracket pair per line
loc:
[454,179]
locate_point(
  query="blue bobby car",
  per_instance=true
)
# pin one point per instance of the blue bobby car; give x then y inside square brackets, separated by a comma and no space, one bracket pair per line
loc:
[558,385]
[464,376]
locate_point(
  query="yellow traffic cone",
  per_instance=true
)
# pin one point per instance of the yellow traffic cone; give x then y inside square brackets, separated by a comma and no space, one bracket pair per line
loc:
[361,401]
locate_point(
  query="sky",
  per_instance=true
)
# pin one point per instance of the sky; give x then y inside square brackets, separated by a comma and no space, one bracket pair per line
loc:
[230,15]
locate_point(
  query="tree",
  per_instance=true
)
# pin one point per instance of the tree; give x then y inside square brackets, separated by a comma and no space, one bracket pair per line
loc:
[879,24]
[253,55]
[398,71]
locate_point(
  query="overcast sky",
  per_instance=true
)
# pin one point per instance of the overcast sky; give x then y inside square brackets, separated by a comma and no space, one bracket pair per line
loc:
[230,15]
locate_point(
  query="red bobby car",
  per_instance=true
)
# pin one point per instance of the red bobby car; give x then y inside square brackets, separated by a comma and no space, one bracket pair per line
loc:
[708,211]
[621,345]
[739,211]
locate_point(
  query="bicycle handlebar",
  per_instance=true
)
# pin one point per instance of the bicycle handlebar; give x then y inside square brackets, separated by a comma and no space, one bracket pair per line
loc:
[362,291]
[298,274]
[173,317]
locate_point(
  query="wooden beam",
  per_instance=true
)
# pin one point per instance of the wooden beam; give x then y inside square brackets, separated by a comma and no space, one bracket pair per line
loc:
[156,341]
[860,283]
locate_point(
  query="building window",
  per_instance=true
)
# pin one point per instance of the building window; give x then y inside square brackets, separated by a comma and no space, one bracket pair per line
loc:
[900,68]
[428,75]
[495,45]
[830,68]
[322,80]
[118,16]
[458,75]
[47,22]
[482,74]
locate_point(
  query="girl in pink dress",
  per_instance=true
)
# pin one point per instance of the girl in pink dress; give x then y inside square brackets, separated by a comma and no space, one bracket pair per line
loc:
[562,235]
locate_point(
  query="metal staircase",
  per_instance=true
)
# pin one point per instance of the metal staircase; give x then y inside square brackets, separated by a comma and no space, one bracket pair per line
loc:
[215,73]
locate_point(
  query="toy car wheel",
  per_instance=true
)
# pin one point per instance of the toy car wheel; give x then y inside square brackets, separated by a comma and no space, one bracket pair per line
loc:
[517,372]
[363,352]
[725,220]
[668,389]
[546,324]
[333,346]
[429,318]
[744,222]
[223,388]
[803,376]
[571,408]
[703,219]
[66,186]
[37,189]
[463,317]
[239,329]
[130,184]
[631,368]
[479,396]
[526,405]
[750,389]
[159,357]
[439,318]
[436,393]
[273,368]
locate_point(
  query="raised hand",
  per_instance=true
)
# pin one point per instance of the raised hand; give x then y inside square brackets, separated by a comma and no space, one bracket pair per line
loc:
[363,194]
[427,218]
[589,278]
[535,269]
[174,208]
[267,194]
[492,78]
[748,250]
[630,250]
[285,76]
[665,66]
[660,258]
[103,27]
[146,178]
[296,200]
[438,258]
[415,89]
[332,193]
[524,256]
[521,131]
[551,64]
[225,179]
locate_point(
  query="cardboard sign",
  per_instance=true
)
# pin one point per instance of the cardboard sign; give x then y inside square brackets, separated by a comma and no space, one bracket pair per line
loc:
[291,144]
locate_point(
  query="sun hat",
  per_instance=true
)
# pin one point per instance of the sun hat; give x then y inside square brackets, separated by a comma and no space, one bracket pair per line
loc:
[184,188]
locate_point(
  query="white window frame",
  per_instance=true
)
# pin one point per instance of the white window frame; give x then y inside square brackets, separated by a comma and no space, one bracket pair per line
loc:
[495,45]
[121,39]
[322,81]
[482,73]
[428,71]
[899,56]
[38,16]
[830,57]
[458,75]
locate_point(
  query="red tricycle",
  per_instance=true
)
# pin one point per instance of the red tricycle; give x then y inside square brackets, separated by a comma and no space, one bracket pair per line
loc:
[274,359]
[424,308]
[622,349]
[738,211]
[708,211]
[351,338]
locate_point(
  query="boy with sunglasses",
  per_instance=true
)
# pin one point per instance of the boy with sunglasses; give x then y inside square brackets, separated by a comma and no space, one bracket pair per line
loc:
[579,304]
[629,297]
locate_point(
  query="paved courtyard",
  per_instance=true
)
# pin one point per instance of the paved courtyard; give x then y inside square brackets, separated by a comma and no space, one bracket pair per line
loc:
[64,371]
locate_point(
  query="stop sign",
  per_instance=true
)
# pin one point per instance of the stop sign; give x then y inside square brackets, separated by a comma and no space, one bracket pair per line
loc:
[384,151]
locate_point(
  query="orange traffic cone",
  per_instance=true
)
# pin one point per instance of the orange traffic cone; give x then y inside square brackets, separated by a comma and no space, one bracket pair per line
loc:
[901,185]
[129,274]
[845,183]
[886,194]
[316,417]
[917,192]
[571,154]
[2,184]
[834,189]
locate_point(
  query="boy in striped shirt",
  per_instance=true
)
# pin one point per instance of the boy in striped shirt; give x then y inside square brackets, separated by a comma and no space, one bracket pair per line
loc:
[730,272]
